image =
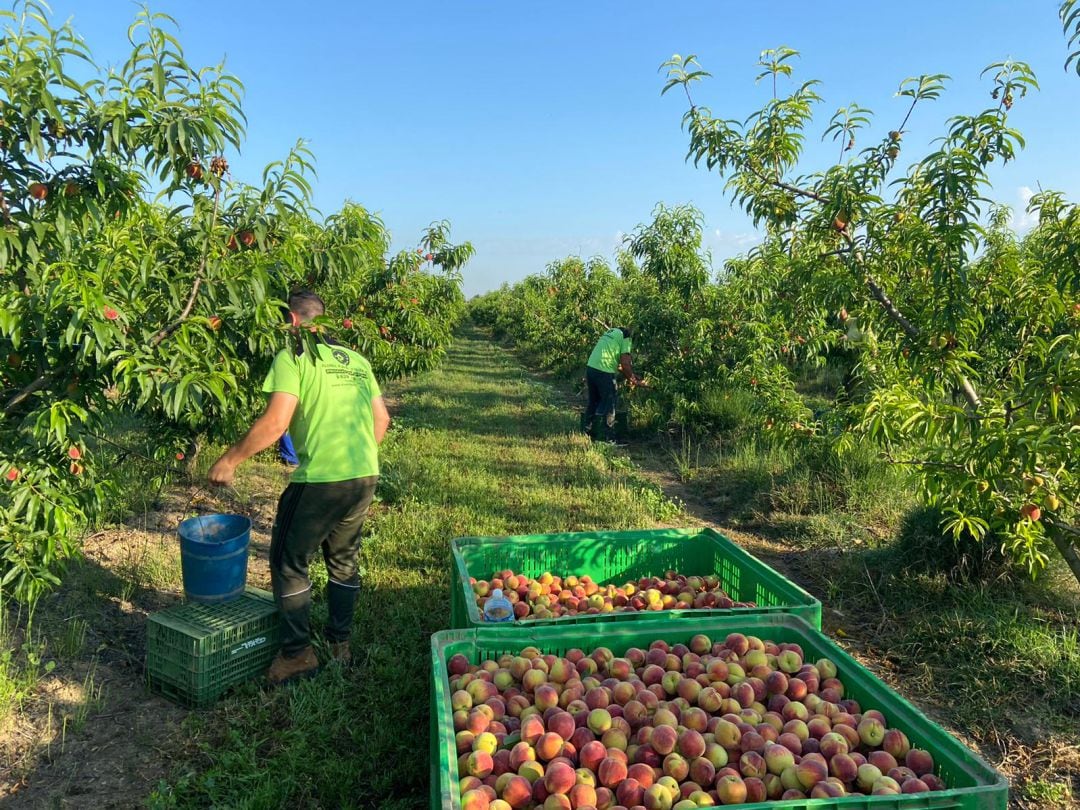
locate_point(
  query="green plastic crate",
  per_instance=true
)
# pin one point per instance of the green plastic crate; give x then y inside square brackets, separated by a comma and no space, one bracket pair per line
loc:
[196,652]
[618,557]
[973,784]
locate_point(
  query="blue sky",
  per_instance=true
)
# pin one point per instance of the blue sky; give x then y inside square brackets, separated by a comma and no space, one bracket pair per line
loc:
[538,130]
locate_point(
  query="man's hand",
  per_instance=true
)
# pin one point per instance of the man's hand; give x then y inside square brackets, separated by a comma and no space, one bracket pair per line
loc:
[221,474]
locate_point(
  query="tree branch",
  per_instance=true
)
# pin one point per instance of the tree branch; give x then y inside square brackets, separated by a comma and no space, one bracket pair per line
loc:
[33,387]
[890,308]
[166,331]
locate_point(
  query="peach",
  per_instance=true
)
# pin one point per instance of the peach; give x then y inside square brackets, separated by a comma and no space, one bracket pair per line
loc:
[479,764]
[549,746]
[752,763]
[657,797]
[702,771]
[557,801]
[691,744]
[882,760]
[676,766]
[867,776]
[545,697]
[778,758]
[827,790]
[644,773]
[914,786]
[919,761]
[833,744]
[475,800]
[896,743]
[562,723]
[599,721]
[592,754]
[664,739]
[559,778]
[810,772]
[871,731]
[517,792]
[933,781]
[885,787]
[611,772]
[731,789]
[582,796]
[629,792]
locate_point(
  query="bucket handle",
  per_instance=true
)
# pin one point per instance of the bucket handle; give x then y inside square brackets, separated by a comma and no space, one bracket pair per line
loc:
[232,496]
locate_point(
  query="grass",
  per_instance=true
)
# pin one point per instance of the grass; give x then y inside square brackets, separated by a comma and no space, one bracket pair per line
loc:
[478,447]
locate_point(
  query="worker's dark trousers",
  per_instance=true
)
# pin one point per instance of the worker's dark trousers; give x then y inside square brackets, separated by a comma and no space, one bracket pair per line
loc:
[602,399]
[310,516]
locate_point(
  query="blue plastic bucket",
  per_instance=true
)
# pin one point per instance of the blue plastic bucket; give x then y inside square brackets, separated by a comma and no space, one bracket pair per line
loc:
[213,556]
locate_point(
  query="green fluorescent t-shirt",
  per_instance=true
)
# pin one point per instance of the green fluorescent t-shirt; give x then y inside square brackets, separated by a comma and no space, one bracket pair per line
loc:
[611,346]
[333,428]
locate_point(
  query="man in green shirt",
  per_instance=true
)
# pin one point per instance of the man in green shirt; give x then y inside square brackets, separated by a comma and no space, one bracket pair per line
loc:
[330,403]
[610,357]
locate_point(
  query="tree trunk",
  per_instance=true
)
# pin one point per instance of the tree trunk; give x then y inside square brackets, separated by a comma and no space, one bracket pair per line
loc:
[1064,543]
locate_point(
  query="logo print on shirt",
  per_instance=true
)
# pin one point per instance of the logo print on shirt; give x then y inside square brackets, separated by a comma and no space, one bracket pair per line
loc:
[341,357]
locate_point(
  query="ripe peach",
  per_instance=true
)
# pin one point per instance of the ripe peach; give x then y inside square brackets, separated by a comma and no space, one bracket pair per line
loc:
[611,772]
[885,787]
[643,772]
[562,723]
[663,739]
[882,760]
[731,789]
[559,777]
[752,763]
[915,785]
[475,800]
[691,744]
[896,743]
[921,762]
[657,797]
[479,764]
[778,758]
[629,792]
[810,772]
[702,771]
[833,744]
[582,795]
[549,746]
[676,766]
[517,791]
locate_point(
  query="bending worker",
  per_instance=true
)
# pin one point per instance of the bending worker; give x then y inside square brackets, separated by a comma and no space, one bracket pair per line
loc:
[331,404]
[610,357]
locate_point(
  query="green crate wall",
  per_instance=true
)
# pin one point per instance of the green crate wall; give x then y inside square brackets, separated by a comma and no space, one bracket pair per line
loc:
[972,783]
[618,557]
[196,652]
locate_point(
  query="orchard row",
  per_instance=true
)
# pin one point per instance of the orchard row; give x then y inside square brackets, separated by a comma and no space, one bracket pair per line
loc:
[143,283]
[886,306]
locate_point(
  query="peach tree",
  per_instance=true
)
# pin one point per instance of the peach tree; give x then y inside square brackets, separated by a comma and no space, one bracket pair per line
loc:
[141,281]
[964,337]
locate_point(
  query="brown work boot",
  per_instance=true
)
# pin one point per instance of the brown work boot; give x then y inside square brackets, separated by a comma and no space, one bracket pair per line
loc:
[339,651]
[290,668]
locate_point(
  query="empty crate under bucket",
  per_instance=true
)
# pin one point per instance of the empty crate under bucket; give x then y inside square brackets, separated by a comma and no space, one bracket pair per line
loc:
[213,556]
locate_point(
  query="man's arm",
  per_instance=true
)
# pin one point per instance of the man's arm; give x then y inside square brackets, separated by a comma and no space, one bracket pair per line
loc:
[382,418]
[266,430]
[626,367]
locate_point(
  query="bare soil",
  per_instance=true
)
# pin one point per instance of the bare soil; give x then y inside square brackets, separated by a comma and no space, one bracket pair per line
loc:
[92,734]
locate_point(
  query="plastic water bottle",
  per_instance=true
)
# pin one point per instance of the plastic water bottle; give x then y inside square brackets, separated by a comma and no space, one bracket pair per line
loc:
[498,608]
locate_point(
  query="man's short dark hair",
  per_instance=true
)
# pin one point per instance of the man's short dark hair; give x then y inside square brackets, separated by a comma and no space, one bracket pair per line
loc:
[626,331]
[306,304]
